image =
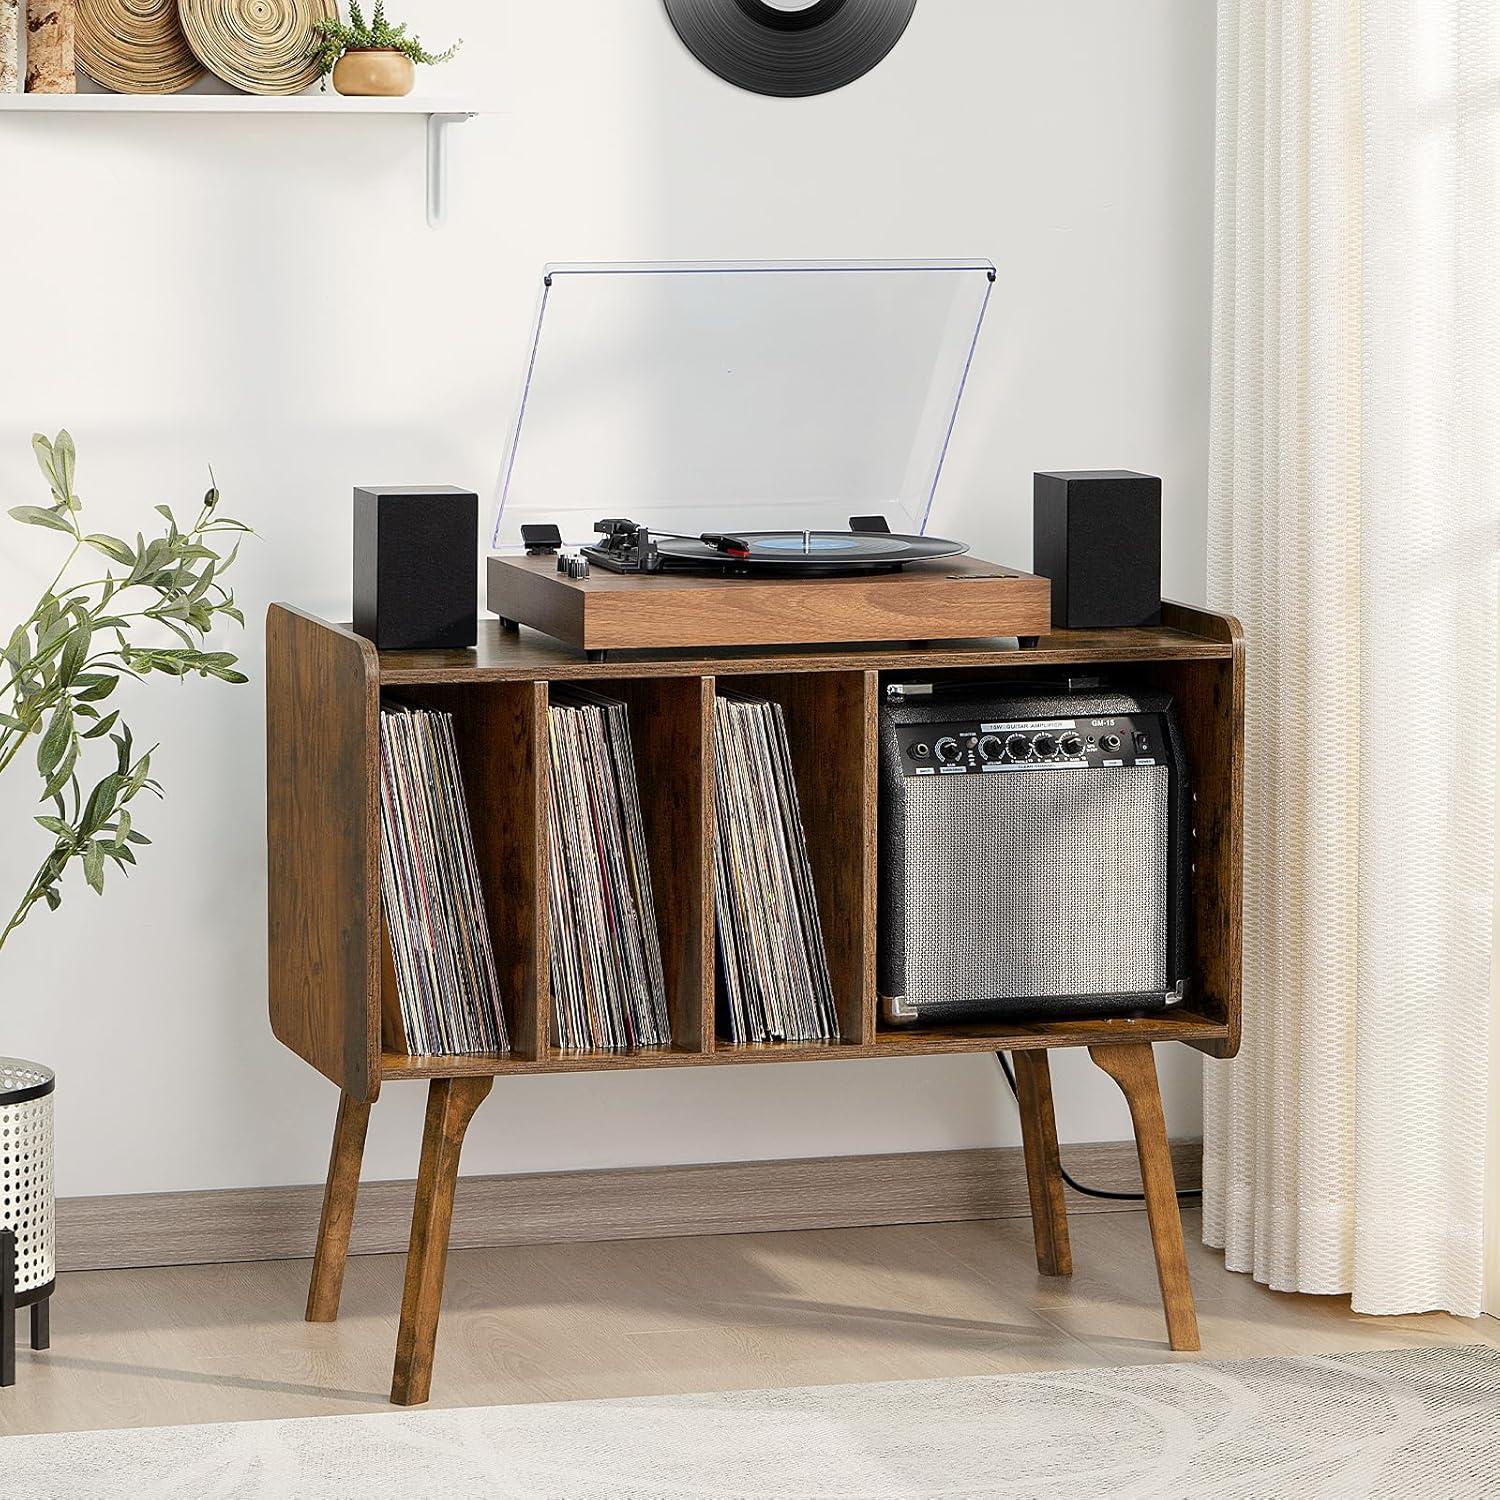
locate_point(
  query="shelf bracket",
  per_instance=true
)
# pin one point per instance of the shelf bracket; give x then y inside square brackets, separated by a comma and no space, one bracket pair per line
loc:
[437,162]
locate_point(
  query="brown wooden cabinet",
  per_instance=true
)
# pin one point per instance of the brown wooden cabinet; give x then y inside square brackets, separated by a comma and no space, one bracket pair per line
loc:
[329,974]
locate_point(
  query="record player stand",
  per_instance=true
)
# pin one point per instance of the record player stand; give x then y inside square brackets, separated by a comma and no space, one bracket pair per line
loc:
[331,982]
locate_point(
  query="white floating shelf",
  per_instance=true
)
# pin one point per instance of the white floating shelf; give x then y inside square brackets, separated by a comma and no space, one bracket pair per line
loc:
[439,113]
[236,104]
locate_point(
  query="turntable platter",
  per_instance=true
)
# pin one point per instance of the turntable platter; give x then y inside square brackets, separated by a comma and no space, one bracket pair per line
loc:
[804,552]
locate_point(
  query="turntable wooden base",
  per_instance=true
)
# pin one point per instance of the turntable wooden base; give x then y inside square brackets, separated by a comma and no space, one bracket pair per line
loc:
[954,598]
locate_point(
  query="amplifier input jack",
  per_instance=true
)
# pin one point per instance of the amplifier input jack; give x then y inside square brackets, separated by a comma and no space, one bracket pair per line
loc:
[1110,742]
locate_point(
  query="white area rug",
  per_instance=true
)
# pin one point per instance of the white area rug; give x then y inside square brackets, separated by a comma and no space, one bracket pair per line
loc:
[1409,1424]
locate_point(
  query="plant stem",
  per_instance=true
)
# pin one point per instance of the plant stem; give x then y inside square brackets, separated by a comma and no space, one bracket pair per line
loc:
[67,561]
[30,899]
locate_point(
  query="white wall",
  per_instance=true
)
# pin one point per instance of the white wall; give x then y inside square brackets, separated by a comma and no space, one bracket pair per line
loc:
[263,295]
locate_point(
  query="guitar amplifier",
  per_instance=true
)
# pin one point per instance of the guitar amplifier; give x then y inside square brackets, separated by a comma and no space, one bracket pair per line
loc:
[1033,853]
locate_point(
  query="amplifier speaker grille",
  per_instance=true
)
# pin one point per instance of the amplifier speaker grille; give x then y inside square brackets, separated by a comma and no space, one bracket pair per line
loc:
[1074,860]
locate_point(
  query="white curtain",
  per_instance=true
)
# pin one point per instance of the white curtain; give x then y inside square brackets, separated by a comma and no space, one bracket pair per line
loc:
[1355,496]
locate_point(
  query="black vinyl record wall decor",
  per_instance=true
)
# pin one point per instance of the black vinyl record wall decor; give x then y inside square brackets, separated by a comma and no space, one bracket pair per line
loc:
[790,48]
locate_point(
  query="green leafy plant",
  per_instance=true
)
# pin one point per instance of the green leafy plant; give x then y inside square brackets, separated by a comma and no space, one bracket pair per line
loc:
[82,639]
[335,38]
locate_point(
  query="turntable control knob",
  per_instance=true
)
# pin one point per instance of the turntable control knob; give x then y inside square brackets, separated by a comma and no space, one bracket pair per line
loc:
[991,747]
[1018,747]
[948,750]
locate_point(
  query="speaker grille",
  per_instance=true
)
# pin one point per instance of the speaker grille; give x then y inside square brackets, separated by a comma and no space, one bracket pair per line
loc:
[1033,884]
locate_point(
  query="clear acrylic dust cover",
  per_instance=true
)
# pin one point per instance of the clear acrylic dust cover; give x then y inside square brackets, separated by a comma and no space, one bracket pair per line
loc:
[754,396]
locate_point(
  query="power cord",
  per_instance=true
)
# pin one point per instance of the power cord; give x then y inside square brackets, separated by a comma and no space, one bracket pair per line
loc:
[1067,1177]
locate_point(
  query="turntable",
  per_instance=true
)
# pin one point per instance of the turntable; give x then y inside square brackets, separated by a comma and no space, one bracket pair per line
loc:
[753,431]
[868,546]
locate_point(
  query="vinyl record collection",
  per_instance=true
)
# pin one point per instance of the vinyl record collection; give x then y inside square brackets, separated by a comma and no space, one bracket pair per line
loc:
[429,885]
[608,990]
[773,969]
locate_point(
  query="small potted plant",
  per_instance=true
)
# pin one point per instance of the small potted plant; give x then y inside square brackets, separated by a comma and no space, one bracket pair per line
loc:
[374,59]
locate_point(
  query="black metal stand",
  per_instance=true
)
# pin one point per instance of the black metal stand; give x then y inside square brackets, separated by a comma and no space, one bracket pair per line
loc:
[11,1301]
[7,1307]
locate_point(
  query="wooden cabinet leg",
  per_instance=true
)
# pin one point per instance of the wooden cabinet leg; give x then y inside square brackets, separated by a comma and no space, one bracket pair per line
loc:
[1133,1066]
[338,1209]
[451,1103]
[1049,1213]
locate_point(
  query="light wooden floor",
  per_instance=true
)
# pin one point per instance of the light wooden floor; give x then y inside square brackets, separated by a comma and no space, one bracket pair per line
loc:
[639,1317]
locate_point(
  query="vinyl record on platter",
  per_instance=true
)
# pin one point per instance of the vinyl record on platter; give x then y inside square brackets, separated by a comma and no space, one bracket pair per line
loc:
[790,48]
[806,552]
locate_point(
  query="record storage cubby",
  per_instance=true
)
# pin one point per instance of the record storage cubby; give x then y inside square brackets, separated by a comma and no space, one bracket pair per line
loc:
[330,975]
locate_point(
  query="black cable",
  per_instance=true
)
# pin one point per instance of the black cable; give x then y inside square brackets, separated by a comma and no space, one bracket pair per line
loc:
[1067,1177]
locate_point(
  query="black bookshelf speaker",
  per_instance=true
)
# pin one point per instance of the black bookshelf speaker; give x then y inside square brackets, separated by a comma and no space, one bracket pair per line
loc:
[1096,533]
[416,566]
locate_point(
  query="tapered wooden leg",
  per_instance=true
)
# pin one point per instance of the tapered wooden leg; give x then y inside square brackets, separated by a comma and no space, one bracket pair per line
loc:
[1049,1213]
[451,1103]
[1133,1067]
[338,1209]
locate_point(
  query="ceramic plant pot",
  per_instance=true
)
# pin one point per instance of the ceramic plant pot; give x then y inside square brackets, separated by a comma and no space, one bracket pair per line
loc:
[379,71]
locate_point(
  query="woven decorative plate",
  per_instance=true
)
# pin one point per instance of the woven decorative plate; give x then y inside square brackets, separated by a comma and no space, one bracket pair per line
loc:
[134,46]
[261,46]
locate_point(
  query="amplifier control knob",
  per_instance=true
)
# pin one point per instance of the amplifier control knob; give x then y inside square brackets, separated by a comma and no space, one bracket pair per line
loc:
[1071,746]
[991,747]
[948,750]
[1018,747]
[1045,746]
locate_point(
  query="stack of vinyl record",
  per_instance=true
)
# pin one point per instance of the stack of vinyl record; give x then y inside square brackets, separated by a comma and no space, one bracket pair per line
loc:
[773,969]
[429,886]
[608,991]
